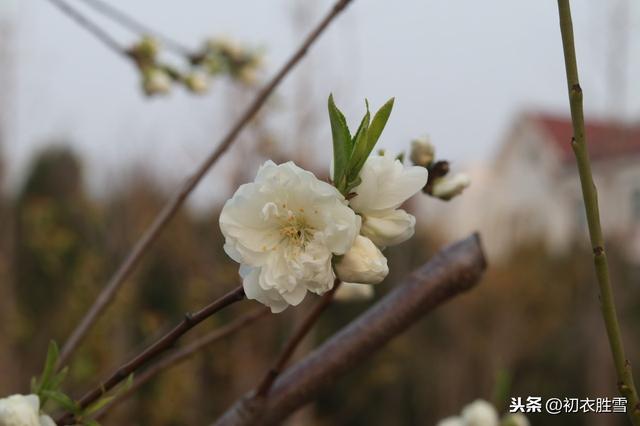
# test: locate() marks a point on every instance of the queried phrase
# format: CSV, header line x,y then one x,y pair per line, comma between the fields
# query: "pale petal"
x,y
386,184
364,263
252,290
388,228
348,292
46,421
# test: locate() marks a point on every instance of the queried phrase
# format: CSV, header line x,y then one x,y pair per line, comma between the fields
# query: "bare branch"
x,y
183,354
167,213
165,342
293,342
90,26
137,26
452,271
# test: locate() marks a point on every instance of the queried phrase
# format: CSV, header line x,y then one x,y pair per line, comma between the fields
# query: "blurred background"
x,y
87,160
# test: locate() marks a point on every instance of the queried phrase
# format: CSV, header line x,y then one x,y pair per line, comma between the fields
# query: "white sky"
x,y
460,71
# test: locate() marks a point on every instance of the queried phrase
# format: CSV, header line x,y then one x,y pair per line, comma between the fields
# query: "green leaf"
x,y
342,145
63,400
375,130
378,123
58,378
90,422
360,143
49,367
98,405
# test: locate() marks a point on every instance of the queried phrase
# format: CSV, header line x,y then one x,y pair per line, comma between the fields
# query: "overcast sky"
x,y
460,71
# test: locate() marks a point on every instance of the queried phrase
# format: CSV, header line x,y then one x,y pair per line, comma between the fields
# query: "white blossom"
x,y
197,82
451,421
22,410
353,292
364,263
386,184
517,419
283,229
422,152
156,81
480,413
449,186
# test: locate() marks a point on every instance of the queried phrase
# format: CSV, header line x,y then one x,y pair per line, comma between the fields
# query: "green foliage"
x,y
350,153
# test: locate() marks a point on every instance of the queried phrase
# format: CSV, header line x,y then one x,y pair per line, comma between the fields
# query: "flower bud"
x,y
197,82
422,152
451,421
364,263
23,410
517,419
448,187
156,81
350,292
480,413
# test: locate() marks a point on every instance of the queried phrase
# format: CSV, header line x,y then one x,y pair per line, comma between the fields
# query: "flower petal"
x,y
388,228
386,184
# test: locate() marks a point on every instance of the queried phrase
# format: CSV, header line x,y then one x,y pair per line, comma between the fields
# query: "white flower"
x,y
156,81
352,292
364,263
386,184
197,82
284,229
448,187
451,421
480,413
517,419
22,410
422,152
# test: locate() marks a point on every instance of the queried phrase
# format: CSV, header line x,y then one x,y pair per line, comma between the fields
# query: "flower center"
x,y
296,230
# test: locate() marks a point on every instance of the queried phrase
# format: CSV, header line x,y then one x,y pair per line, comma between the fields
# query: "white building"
x,y
531,191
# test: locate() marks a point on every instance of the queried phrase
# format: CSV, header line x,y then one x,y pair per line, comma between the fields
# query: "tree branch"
x,y
90,26
183,354
168,212
607,302
293,342
450,272
137,26
164,343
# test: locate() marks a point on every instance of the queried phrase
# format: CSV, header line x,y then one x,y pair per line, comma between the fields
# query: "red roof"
x,y
605,139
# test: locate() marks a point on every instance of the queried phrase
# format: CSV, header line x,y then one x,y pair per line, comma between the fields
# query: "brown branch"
x,y
183,354
90,26
452,271
167,341
166,214
127,21
293,342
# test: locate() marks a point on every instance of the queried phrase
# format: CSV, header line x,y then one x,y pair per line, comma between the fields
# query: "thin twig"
x,y
167,341
607,302
450,272
136,26
167,213
90,26
293,342
183,354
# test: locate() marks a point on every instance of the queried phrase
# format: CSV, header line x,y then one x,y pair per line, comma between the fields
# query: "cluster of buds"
x,y
481,413
218,57
441,184
222,56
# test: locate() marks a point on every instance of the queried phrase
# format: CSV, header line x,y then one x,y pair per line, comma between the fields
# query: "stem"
x,y
90,26
184,354
171,208
294,341
165,342
450,272
626,385
134,25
